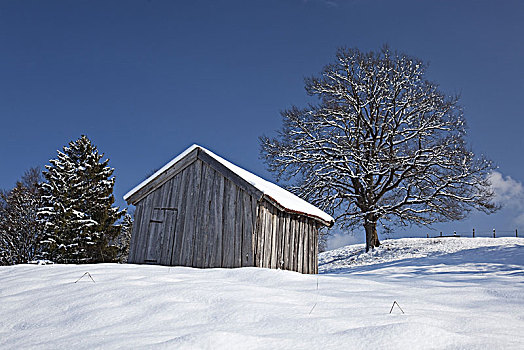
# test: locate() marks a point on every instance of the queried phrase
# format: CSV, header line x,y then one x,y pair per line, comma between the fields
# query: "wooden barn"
x,y
201,210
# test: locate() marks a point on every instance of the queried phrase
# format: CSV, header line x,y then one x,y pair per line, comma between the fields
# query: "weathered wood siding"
x,y
285,241
199,213
196,218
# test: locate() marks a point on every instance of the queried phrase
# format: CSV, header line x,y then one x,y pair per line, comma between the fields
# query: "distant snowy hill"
x,y
408,250
456,294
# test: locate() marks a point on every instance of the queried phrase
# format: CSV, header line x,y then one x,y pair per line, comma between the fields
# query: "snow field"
x,y
456,294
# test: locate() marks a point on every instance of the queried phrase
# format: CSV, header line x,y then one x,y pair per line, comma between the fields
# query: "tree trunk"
x,y
371,235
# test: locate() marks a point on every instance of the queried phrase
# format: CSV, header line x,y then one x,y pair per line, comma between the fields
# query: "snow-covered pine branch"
x,y
78,206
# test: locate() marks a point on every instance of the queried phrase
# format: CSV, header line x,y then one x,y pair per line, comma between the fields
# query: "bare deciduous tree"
x,y
382,145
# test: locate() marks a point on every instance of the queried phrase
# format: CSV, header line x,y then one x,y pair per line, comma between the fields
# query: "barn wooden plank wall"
x,y
199,213
196,218
285,241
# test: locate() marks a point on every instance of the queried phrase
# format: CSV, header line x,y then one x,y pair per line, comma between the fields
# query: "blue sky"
x,y
145,79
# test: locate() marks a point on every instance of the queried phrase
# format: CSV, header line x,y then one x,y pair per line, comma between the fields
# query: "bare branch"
x,y
383,143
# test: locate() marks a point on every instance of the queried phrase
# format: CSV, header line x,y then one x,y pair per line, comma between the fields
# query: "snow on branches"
x,y
78,206
20,229
383,144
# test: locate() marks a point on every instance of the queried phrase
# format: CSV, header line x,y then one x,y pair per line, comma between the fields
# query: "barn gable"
x,y
200,210
250,182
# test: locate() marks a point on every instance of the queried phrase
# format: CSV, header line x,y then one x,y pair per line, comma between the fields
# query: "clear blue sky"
x,y
145,79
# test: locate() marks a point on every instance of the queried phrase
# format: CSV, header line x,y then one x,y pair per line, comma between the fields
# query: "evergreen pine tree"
x,y
124,239
78,206
20,230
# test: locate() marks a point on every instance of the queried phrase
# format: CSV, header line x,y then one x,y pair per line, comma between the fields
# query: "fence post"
x,y
427,235
516,233
440,233
494,236
473,233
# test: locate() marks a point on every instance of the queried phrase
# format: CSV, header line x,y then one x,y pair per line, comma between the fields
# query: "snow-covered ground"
x,y
456,294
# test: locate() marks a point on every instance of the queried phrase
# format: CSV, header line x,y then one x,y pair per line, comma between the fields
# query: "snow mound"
x,y
457,294
396,250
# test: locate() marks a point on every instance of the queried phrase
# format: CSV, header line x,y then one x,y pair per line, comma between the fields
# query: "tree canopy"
x,y
382,145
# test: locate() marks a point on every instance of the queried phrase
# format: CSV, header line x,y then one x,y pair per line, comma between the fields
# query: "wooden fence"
x,y
480,233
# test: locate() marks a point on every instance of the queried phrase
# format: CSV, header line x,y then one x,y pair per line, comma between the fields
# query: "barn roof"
x,y
280,197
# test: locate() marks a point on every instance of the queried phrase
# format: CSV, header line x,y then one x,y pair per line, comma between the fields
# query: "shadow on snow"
x,y
508,260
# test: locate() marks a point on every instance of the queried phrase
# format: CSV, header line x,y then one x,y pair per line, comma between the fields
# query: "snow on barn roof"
x,y
281,197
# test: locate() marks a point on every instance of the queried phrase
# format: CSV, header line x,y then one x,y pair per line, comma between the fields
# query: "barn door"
x,y
161,232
